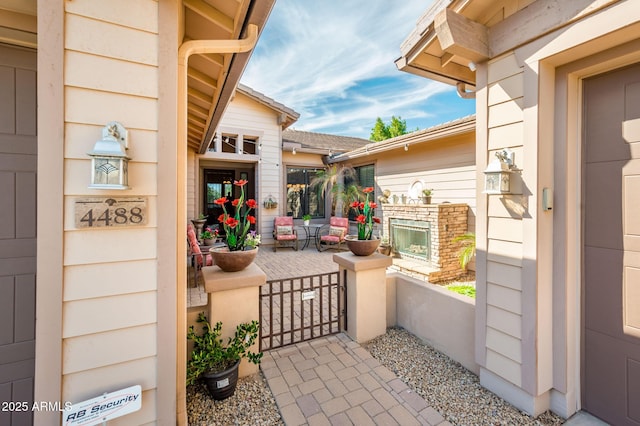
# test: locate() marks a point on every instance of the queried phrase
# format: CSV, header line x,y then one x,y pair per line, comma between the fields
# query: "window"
x,y
230,143
364,177
301,197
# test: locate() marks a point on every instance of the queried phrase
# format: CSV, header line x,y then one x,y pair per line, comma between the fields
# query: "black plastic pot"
x,y
222,384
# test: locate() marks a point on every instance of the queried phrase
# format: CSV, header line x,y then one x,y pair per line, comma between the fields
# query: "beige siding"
x,y
89,316
447,166
504,367
504,321
505,229
96,280
110,74
249,117
93,351
143,146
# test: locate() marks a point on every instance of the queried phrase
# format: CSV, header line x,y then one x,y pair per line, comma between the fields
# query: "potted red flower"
x,y
239,237
365,243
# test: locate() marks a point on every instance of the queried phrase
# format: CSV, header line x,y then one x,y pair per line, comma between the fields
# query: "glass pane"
x,y
301,198
214,191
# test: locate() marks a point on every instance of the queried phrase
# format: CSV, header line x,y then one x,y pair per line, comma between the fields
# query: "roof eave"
x,y
258,14
457,127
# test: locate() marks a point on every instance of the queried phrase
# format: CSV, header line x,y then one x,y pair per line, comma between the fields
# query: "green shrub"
x,y
210,354
464,289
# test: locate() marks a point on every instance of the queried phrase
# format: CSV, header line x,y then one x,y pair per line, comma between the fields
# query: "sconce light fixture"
x,y
109,161
406,147
497,175
293,151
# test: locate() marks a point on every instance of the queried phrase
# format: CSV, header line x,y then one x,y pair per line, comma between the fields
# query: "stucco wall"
x,y
443,319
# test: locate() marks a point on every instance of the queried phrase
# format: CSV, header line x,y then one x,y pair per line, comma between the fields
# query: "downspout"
x,y
462,92
188,48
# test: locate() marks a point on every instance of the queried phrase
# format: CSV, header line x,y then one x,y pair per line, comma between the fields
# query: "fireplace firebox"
x,y
411,238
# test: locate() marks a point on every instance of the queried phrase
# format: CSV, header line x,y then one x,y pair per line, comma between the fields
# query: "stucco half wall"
x,y
441,318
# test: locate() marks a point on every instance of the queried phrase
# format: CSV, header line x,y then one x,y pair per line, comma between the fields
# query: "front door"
x,y
18,149
611,323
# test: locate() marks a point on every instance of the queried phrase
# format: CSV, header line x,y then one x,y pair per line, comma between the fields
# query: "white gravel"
x,y
251,404
446,385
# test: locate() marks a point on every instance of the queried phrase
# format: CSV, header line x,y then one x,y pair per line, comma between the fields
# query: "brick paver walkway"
x,y
334,381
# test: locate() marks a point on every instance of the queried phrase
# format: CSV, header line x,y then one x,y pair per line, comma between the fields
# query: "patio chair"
x,y
333,234
284,233
196,259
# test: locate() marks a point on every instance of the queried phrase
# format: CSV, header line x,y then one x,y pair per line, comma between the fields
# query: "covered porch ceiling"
x,y
211,78
453,36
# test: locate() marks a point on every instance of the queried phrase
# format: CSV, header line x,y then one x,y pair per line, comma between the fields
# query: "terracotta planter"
x,y
384,249
222,384
208,241
362,247
232,261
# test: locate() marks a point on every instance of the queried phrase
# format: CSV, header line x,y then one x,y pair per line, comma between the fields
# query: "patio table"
x,y
308,234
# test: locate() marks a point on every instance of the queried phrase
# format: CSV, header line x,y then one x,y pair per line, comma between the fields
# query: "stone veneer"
x,y
447,221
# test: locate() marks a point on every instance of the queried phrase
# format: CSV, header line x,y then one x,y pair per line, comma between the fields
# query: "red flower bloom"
x,y
252,204
221,201
231,222
235,202
241,182
364,212
221,218
251,219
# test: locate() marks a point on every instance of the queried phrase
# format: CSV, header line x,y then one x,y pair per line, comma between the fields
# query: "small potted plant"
x,y
306,218
216,363
426,196
209,236
199,224
384,247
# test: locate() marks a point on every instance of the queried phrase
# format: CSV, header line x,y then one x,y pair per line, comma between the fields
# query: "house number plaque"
x,y
100,212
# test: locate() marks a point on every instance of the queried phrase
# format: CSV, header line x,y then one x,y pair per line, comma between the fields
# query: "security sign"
x,y
105,407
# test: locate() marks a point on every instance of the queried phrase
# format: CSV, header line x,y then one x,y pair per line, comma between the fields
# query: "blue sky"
x,y
333,62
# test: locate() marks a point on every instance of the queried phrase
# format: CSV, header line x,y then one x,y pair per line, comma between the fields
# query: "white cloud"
x,y
333,62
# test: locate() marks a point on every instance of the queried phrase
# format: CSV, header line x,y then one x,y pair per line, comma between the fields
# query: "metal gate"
x,y
293,310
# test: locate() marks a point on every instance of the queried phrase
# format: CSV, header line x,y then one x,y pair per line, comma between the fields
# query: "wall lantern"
x,y
497,175
109,161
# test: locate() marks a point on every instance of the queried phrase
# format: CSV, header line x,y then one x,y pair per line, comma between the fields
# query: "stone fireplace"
x,y
425,232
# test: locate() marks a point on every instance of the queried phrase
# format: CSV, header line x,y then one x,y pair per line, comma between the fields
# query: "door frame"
x,y
568,314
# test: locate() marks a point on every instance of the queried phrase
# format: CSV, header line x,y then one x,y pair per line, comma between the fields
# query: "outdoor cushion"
x,y
286,237
336,231
330,238
284,230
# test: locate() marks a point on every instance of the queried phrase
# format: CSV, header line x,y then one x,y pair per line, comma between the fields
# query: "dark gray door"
x,y
611,352
18,149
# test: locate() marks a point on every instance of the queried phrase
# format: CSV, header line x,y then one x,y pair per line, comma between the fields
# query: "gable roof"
x,y
287,115
320,142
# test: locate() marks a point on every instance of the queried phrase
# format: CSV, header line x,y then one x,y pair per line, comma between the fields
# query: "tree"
x,y
396,127
380,131
333,179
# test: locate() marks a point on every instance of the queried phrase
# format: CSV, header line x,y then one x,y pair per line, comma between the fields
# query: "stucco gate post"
x,y
234,298
366,294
